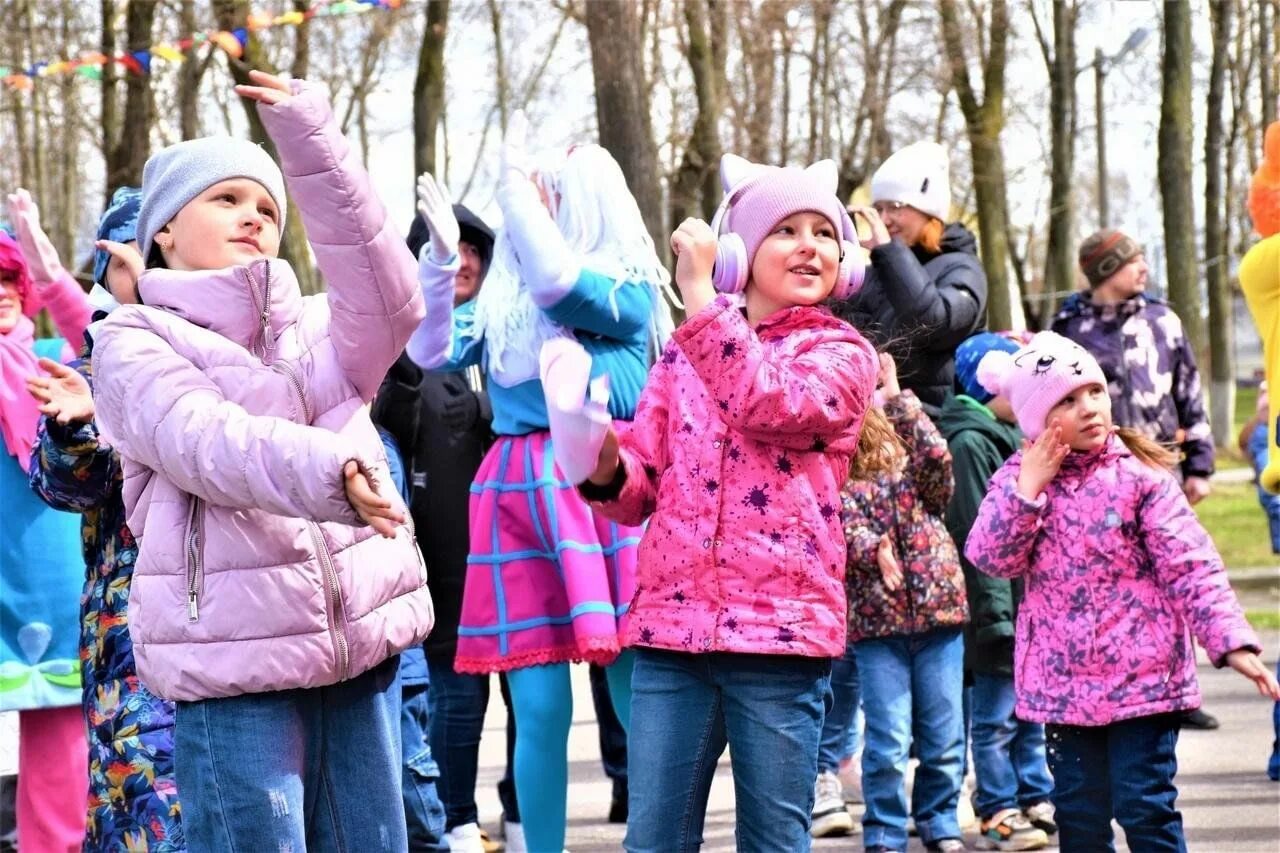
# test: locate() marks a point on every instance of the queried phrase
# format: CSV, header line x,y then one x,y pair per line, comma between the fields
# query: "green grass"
x,y
1263,620
1246,404
1237,524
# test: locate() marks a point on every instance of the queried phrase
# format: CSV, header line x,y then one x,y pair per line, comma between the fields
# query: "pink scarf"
x,y
19,413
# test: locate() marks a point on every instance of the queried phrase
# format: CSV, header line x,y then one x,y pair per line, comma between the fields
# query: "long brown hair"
x,y
878,446
1147,450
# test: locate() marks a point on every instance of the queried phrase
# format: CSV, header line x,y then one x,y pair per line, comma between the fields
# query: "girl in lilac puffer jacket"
x,y
277,576
1119,574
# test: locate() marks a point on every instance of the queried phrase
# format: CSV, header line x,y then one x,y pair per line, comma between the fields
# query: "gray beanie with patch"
x,y
175,175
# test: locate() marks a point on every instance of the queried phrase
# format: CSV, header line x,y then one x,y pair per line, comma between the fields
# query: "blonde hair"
x,y
879,448
1147,450
930,237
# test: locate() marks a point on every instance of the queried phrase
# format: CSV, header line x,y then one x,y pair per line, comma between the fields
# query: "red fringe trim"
x,y
598,650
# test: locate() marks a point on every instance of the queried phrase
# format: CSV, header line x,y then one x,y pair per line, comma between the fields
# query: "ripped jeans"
x,y
294,770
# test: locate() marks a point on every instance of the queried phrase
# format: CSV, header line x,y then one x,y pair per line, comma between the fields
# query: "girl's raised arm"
x,y
1007,526
374,299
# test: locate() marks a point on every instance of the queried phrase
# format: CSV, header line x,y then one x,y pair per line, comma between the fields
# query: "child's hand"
x,y
41,257
272,89
64,394
374,510
889,386
1040,461
1196,489
128,255
436,208
1250,666
609,461
694,245
890,569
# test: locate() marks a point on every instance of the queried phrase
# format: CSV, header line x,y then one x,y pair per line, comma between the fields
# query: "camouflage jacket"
x,y
1151,371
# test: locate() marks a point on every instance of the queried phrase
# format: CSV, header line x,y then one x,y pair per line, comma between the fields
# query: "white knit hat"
x,y
918,175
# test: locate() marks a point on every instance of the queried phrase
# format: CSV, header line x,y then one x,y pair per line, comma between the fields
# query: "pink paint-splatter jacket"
x,y
740,443
1119,573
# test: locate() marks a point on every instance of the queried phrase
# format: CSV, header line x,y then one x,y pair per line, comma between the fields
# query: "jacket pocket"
x,y
195,557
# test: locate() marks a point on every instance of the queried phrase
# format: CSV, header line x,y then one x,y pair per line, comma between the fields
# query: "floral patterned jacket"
x,y
908,504
133,802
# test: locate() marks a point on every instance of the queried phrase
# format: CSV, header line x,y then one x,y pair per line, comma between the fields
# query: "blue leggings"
x,y
542,700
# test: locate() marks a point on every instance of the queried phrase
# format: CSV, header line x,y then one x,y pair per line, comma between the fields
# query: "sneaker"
x,y
1198,719
490,846
947,845
513,834
1041,815
465,837
850,774
1009,829
830,817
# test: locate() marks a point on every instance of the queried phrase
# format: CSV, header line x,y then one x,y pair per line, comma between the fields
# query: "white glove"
x,y
516,163
436,209
41,257
577,407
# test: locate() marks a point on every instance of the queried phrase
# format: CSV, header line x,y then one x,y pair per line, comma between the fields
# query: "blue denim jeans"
x,y
1273,766
685,708
911,692
1124,771
306,769
457,706
1258,445
840,739
1008,753
613,738
423,811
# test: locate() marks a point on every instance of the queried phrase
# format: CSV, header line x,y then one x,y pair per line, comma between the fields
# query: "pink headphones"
x,y
732,267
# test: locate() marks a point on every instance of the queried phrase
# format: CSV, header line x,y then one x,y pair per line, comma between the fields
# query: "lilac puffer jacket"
x,y
1119,574
234,402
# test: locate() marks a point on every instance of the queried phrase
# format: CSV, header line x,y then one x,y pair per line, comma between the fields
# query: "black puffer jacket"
x,y
920,306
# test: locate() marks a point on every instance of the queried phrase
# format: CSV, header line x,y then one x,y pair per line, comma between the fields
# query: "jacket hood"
x,y
229,301
955,238
960,413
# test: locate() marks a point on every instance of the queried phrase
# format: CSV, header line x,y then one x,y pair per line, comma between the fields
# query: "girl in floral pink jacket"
x,y
741,440
1119,574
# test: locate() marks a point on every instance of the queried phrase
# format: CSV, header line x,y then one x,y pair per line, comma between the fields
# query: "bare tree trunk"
x,y
500,60
231,15
622,104
1222,386
983,123
1173,161
702,154
1266,54
64,225
873,103
37,132
1060,262
301,43
428,87
133,146
110,107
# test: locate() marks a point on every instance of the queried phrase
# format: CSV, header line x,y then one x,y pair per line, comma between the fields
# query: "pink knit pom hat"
x,y
1038,376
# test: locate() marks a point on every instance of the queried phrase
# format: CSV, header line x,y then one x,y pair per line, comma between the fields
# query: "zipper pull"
x,y
193,609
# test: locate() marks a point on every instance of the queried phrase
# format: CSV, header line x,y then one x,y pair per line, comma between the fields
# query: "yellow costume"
x,y
1260,281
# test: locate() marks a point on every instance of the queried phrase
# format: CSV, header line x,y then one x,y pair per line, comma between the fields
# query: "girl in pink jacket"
x,y
1119,574
741,440
277,576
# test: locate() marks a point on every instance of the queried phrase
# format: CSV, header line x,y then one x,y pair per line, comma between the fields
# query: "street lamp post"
x,y
1101,65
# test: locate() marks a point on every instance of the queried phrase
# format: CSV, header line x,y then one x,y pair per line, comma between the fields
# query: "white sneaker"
x,y
465,837
513,835
830,817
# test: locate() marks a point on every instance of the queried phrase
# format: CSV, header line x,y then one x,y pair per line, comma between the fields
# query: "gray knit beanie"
x,y
175,175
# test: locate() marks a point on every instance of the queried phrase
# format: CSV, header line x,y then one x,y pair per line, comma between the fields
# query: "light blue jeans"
x,y
911,691
685,708
306,769
1008,753
840,735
